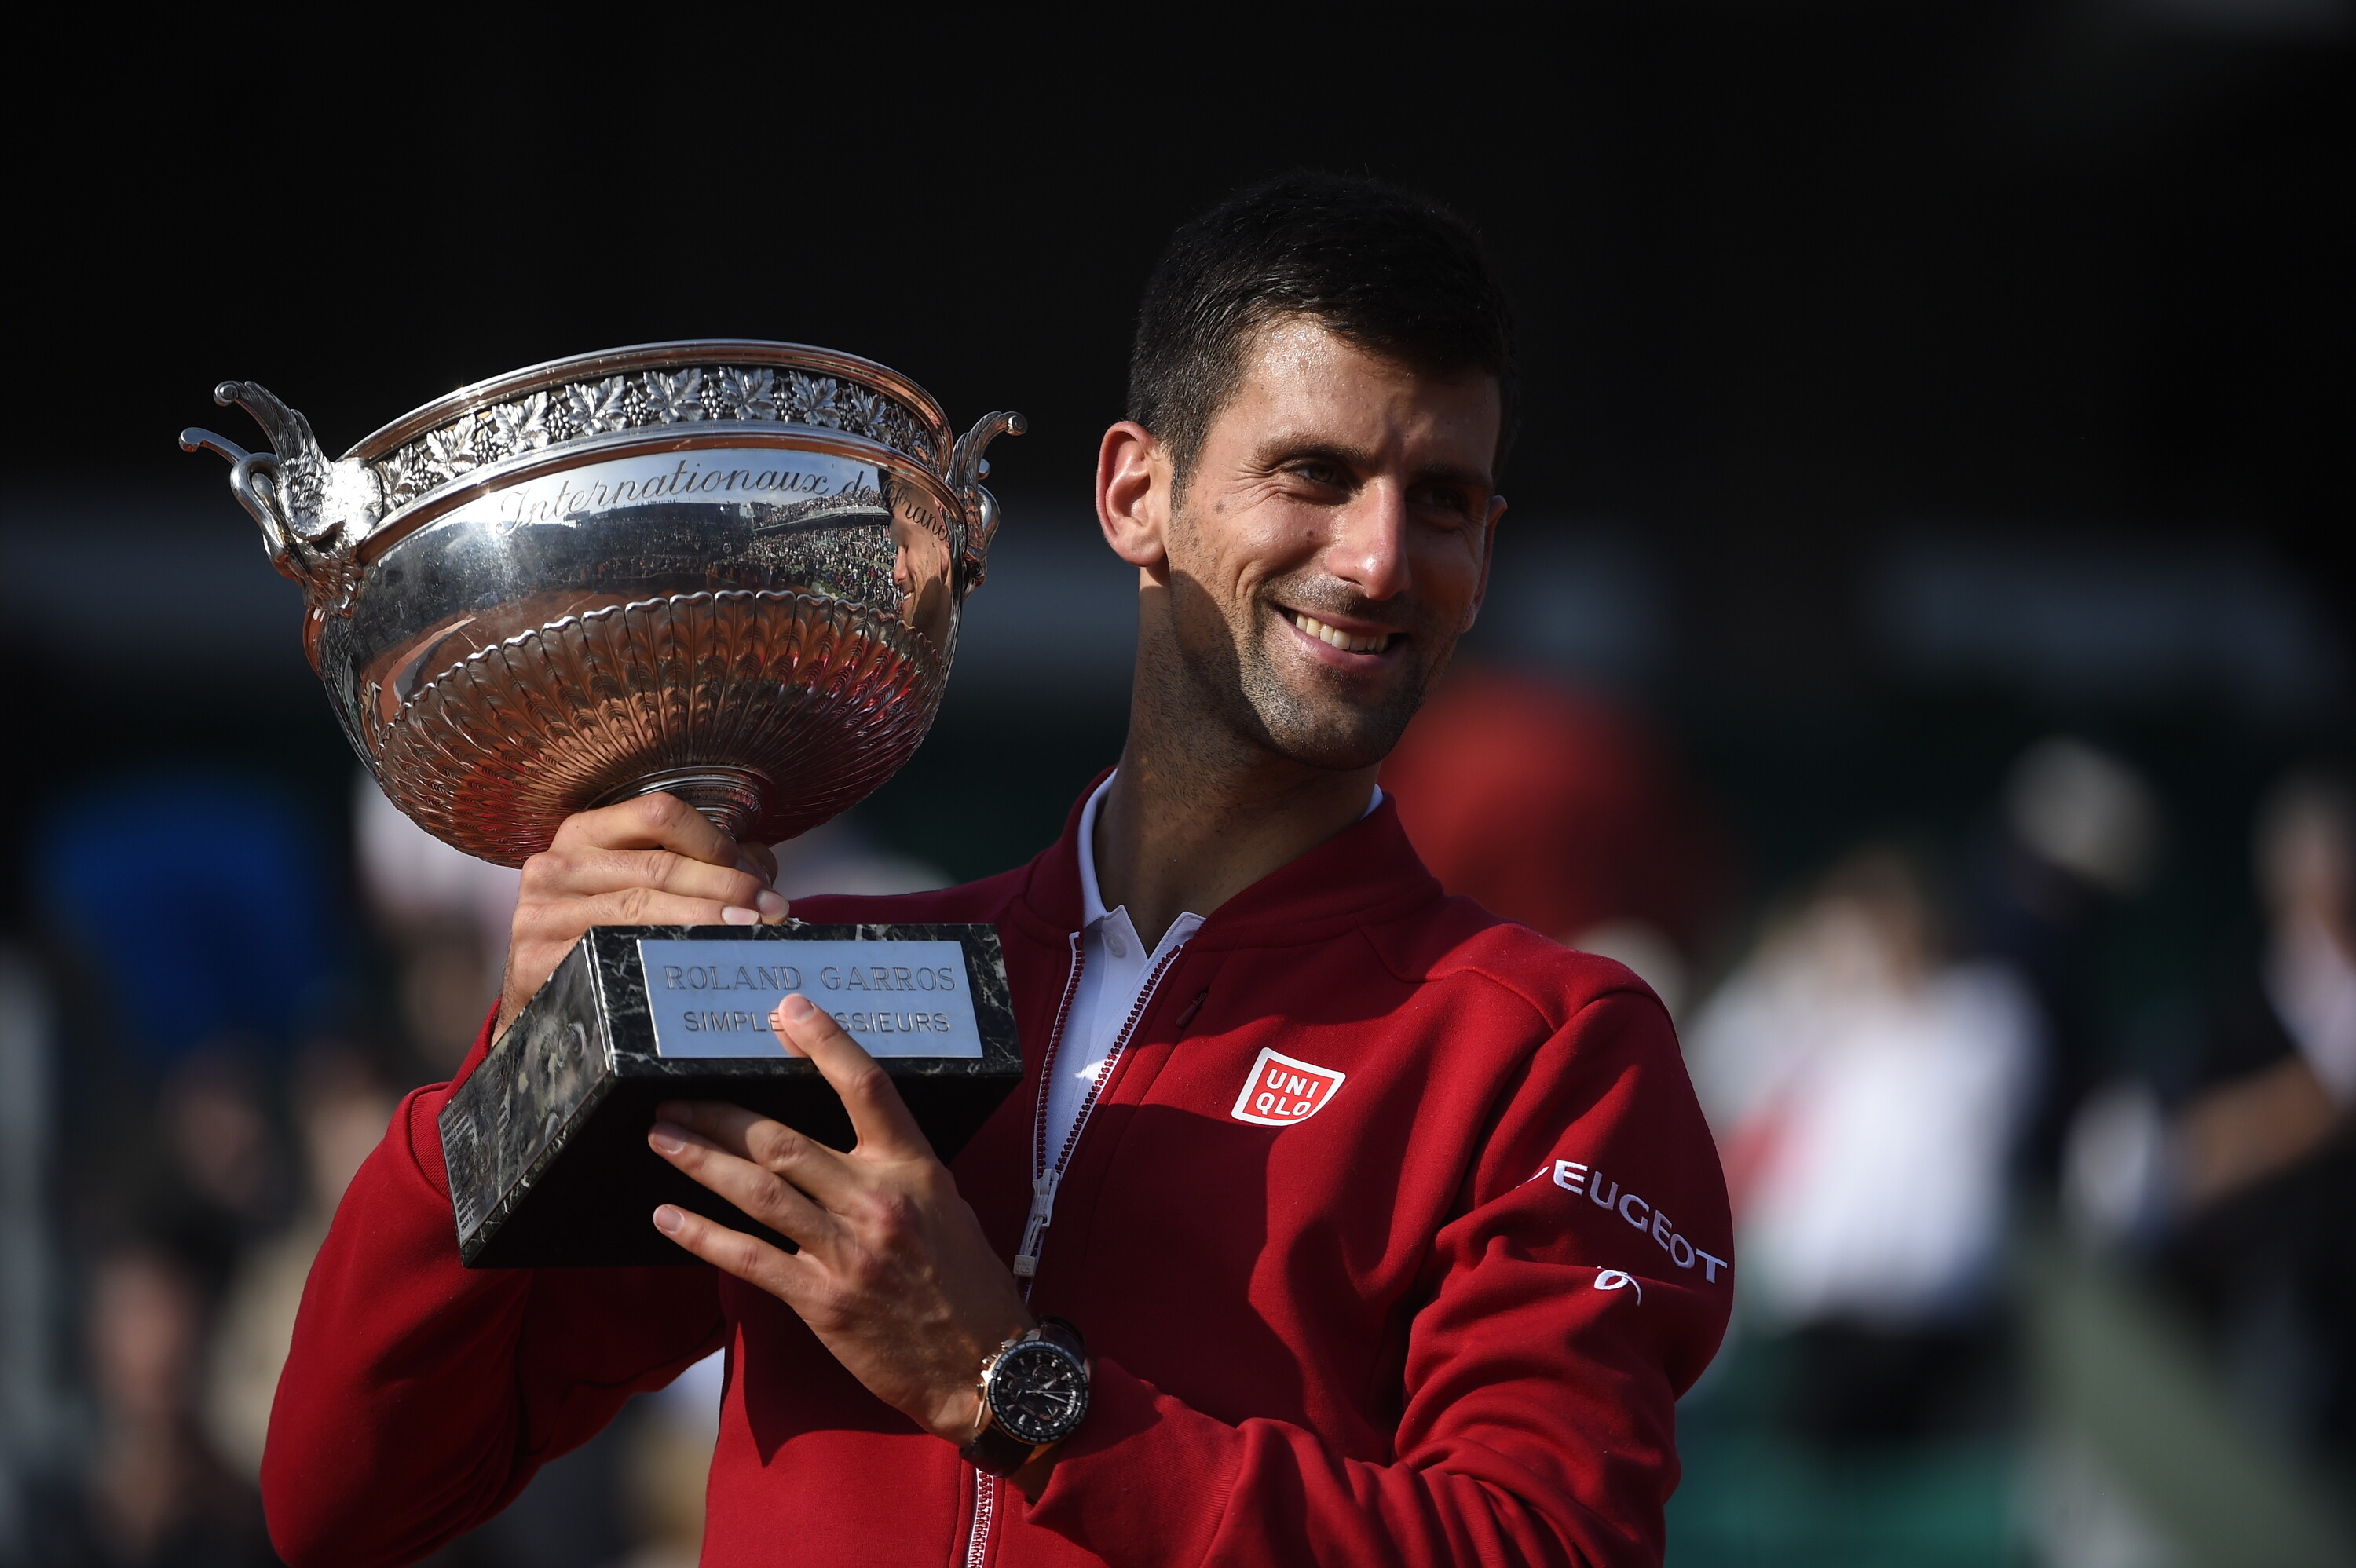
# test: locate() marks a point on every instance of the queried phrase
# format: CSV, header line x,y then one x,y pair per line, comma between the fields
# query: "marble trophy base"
x,y
547,1141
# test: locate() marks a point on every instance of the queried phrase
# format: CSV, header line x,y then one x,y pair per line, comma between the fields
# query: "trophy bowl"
x,y
729,569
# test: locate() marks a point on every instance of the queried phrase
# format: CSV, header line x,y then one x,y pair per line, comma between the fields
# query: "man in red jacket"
x,y
1392,1229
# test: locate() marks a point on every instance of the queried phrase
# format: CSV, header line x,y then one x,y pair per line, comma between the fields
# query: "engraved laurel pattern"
x,y
826,700
755,394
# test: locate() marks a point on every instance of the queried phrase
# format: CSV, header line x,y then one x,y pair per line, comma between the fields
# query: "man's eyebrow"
x,y
1455,474
1281,450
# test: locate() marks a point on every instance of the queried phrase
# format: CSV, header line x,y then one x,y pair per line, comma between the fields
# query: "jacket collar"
x,y
1366,872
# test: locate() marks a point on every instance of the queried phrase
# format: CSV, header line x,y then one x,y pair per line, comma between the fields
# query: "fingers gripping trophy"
x,y
730,571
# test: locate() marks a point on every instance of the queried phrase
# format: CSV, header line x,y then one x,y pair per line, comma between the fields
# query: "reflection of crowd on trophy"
x,y
197,1091
852,560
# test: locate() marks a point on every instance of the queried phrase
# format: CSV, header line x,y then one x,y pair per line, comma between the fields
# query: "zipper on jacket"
x,y
1046,1176
1043,1183
985,1507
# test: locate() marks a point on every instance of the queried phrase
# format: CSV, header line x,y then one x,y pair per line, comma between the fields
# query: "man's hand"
x,y
894,1276
655,861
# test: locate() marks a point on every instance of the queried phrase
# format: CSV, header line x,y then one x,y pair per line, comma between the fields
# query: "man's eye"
x,y
1446,498
1317,473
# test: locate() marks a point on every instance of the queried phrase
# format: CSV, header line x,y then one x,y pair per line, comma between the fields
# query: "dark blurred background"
x,y
1921,620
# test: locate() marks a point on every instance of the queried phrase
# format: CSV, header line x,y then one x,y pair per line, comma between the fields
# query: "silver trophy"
x,y
729,570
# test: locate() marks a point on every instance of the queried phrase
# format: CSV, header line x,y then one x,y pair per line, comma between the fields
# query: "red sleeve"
x,y
1541,1376
419,1396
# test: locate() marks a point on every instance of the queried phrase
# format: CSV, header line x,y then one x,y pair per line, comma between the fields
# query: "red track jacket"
x,y
1435,1305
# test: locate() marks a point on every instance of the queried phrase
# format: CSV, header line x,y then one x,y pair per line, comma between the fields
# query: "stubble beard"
x,y
1224,663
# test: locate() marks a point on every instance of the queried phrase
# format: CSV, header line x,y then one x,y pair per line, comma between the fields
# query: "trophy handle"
x,y
967,471
254,479
289,432
313,513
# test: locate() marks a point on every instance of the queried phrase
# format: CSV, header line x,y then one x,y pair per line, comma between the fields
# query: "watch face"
x,y
1038,1393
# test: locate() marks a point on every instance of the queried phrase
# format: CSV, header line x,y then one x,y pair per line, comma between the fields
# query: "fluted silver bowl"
x,y
732,570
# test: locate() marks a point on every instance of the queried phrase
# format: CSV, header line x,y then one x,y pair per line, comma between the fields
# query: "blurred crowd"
x,y
184,1097
1927,1119
1940,1141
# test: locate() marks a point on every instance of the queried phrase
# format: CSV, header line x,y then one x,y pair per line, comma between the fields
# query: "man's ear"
x,y
1134,481
1488,555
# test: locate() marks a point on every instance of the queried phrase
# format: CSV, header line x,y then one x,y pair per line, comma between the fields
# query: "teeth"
x,y
1346,641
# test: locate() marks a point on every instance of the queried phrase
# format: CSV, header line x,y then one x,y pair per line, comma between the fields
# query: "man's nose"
x,y
1369,545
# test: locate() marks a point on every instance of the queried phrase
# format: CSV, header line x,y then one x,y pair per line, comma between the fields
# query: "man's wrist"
x,y
964,1408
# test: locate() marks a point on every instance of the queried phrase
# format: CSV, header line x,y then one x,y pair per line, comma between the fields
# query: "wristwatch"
x,y
1034,1391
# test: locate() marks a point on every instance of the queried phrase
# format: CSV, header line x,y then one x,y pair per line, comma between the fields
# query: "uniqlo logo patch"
x,y
1283,1091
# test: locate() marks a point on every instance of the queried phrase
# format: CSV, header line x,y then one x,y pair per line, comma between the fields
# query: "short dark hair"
x,y
1391,271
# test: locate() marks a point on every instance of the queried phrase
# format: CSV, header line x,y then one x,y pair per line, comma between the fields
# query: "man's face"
x,y
1331,543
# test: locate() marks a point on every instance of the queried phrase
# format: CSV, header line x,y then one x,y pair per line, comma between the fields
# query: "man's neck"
x,y
1180,831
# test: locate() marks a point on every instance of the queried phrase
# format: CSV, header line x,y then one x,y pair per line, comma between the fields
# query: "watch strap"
x,y
994,1451
1064,1332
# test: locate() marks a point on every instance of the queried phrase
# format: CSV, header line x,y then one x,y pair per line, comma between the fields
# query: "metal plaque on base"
x,y
546,1142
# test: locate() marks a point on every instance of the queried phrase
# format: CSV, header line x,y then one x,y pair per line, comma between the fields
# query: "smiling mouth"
x,y
1348,642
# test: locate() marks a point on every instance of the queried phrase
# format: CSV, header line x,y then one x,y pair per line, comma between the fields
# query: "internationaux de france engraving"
x,y
712,998
801,485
